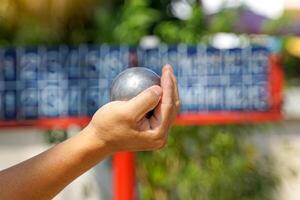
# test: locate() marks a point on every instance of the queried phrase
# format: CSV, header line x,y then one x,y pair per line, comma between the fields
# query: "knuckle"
x,y
151,98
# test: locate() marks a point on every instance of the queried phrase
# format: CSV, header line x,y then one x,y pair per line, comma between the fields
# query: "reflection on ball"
x,y
131,82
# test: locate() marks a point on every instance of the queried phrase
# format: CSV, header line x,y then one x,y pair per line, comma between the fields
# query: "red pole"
x,y
123,176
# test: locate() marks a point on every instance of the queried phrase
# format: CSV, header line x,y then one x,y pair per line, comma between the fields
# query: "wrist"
x,y
92,141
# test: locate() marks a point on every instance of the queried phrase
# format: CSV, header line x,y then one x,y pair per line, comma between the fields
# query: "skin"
x,y
117,126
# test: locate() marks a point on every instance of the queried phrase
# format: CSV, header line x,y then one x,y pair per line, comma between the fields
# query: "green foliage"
x,y
55,136
37,34
136,17
188,31
291,69
282,24
224,21
206,163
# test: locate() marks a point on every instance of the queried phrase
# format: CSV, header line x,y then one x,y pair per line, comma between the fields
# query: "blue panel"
x,y
73,61
92,62
28,62
9,104
27,99
9,64
1,105
53,64
75,81
52,98
215,80
75,100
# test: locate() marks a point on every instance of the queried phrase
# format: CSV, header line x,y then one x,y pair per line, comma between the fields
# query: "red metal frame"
x,y
123,163
48,123
62,122
124,176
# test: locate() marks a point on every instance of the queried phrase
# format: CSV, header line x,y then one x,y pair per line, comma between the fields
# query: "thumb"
x,y
145,101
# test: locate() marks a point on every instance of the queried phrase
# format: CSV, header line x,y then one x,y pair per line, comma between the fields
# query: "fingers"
x,y
144,102
167,85
177,99
161,111
166,111
171,100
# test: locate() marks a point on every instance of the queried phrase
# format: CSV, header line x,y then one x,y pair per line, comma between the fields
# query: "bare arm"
x,y
44,175
117,126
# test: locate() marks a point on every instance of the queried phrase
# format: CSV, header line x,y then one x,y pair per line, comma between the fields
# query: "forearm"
x,y
46,174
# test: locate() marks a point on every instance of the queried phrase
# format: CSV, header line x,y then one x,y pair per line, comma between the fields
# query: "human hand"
x,y
122,125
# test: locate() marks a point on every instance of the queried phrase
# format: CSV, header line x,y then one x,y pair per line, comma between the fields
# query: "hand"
x,y
117,126
122,125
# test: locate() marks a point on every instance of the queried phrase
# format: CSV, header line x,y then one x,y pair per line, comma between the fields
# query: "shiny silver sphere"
x,y
132,81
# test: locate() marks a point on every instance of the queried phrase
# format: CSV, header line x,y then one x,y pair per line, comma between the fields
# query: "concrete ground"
x,y
283,144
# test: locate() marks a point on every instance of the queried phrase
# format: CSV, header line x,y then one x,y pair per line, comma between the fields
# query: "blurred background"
x,y
200,162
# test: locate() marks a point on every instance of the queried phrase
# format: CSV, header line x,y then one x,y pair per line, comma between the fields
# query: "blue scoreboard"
x,y
74,81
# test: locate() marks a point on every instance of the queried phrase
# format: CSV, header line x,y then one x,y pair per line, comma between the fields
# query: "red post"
x,y
123,176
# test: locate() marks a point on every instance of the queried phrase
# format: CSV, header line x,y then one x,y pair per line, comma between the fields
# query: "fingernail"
x,y
168,67
169,73
157,90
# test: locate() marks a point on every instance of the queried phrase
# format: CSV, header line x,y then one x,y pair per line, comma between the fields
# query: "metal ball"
x,y
132,81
